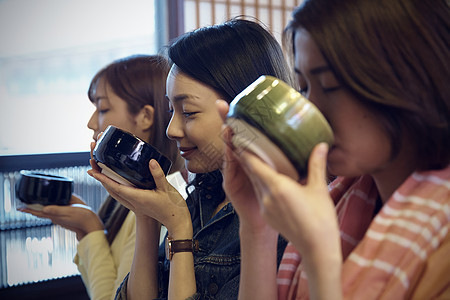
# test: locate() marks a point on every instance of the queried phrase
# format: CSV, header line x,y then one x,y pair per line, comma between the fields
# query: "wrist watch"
x,y
173,246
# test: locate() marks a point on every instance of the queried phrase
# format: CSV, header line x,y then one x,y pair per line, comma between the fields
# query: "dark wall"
x,y
70,288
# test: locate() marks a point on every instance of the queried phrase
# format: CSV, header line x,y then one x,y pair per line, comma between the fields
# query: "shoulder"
x,y
433,185
433,283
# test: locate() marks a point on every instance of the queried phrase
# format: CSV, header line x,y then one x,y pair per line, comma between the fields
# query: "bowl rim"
x,y
40,175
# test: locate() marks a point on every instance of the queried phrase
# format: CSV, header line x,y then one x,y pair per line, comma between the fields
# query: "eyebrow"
x,y
315,71
182,97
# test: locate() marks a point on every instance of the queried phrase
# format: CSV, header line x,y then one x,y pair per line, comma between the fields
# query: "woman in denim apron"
x,y
208,64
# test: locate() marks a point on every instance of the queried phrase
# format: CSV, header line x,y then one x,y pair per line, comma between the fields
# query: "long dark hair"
x,y
139,80
394,57
228,57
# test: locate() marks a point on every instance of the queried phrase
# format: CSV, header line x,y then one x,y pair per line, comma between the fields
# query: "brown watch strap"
x,y
181,246
175,246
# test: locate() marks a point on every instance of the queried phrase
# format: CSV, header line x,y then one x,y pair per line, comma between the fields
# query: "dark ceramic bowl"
x,y
278,124
37,190
124,157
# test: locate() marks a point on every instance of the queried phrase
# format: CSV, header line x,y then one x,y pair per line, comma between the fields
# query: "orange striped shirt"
x,y
383,256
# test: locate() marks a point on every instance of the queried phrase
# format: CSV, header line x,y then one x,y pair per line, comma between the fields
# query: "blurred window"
x,y
50,51
274,14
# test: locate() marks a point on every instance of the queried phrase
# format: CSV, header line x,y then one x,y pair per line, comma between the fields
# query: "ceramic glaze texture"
x,y
44,189
272,108
128,157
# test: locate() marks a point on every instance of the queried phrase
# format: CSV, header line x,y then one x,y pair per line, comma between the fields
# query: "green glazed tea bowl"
x,y
277,123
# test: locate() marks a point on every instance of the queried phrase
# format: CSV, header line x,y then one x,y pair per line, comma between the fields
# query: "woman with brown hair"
x,y
378,71
129,93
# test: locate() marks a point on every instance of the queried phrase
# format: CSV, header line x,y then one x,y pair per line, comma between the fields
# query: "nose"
x,y
174,130
93,121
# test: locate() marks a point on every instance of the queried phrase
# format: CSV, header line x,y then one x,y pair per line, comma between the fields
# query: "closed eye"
x,y
331,89
189,114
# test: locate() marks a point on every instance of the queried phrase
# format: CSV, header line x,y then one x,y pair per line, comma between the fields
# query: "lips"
x,y
185,152
97,135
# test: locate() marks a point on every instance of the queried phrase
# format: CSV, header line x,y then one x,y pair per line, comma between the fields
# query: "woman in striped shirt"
x,y
378,71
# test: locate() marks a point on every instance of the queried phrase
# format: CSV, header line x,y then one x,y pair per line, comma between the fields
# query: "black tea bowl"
x,y
124,157
36,190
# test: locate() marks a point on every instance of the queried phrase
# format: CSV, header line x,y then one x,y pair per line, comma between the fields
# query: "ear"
x,y
145,117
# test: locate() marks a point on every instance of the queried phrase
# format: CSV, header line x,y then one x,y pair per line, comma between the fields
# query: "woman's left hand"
x,y
77,216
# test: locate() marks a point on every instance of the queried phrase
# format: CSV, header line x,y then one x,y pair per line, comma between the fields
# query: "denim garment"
x,y
217,263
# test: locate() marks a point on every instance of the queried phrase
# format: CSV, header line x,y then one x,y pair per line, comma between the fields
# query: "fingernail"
x,y
153,164
322,148
93,175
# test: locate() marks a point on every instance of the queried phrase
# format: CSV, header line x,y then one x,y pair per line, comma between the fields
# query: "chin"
x,y
200,167
337,165
338,169
342,170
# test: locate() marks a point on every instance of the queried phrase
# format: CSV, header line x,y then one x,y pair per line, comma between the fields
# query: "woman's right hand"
x,y
163,203
237,184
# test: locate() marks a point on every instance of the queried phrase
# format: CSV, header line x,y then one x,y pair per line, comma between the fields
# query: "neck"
x,y
389,178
